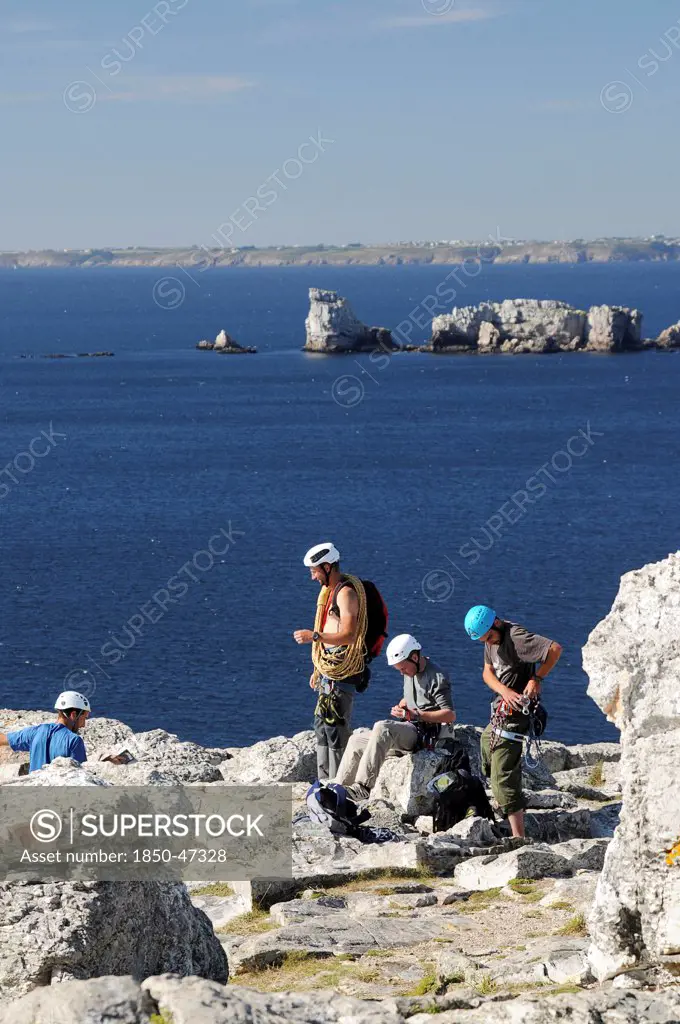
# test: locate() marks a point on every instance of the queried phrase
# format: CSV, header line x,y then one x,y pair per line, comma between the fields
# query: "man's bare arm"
x,y
4,742
348,606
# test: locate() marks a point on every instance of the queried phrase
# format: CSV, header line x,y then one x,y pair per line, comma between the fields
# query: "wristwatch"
x,y
536,679
315,637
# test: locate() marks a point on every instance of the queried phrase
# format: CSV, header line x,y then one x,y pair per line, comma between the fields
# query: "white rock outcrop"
x,y
536,326
225,343
182,1000
279,759
613,329
633,662
670,338
59,931
333,328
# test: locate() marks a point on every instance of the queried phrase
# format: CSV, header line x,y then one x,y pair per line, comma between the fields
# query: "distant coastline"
x,y
505,252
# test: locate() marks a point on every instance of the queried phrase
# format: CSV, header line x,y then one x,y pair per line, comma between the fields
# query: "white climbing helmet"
x,y
72,699
400,648
322,553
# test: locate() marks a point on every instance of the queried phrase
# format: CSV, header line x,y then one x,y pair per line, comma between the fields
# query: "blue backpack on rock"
x,y
329,805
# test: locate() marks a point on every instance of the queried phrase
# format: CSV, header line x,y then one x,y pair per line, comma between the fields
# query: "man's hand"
x,y
513,699
398,711
312,680
532,689
303,636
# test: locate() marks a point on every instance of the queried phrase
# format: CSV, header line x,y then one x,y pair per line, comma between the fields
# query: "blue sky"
x,y
151,123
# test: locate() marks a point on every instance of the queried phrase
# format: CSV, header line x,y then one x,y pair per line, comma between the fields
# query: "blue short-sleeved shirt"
x,y
45,742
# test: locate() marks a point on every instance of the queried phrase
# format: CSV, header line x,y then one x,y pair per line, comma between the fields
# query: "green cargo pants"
x,y
504,768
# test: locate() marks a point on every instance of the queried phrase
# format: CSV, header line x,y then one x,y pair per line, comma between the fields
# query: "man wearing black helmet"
x,y
515,664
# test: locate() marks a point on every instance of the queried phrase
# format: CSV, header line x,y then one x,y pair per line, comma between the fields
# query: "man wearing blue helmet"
x,y
515,664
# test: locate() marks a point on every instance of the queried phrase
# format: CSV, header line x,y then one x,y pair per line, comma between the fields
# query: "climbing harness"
x,y
428,734
538,719
348,660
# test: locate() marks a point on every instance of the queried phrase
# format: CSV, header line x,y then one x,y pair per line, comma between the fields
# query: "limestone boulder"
x,y
63,771
167,997
613,329
591,754
476,831
632,659
279,759
490,338
603,782
461,328
546,799
557,824
51,932
332,327
515,325
582,854
488,872
161,758
335,933
403,781
670,338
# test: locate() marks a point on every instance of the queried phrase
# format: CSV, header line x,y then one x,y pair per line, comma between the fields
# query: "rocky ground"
x,y
580,922
463,924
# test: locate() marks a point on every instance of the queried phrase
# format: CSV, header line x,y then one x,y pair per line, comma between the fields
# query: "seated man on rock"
x,y
422,716
54,739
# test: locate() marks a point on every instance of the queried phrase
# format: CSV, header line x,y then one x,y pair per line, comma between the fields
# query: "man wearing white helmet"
x,y
335,640
424,714
54,739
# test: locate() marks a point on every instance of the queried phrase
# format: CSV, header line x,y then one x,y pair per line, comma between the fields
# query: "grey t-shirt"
x,y
430,690
514,658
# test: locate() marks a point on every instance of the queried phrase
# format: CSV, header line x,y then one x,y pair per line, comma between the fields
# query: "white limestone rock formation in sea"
x,y
333,328
670,338
633,661
536,326
226,344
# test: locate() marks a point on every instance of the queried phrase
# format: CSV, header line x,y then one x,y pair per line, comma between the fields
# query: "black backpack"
x,y
463,792
376,625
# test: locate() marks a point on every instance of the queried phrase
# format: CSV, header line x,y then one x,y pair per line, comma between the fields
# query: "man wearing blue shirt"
x,y
54,739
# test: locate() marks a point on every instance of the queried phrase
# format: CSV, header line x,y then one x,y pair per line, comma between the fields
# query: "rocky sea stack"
x,y
226,344
333,328
577,923
537,326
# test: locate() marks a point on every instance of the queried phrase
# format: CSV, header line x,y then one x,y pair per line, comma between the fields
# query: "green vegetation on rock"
x,y
250,923
576,925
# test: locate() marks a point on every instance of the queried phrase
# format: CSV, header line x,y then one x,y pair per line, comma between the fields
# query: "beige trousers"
x,y
366,752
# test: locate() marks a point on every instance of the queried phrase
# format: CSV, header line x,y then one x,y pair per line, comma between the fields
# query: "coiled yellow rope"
x,y
350,659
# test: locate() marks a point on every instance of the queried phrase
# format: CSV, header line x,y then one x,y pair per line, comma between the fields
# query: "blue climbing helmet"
x,y
479,621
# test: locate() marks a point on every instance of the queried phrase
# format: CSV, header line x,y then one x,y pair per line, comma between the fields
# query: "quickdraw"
x,y
533,751
327,708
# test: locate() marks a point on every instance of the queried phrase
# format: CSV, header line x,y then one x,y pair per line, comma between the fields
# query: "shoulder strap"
x,y
333,603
